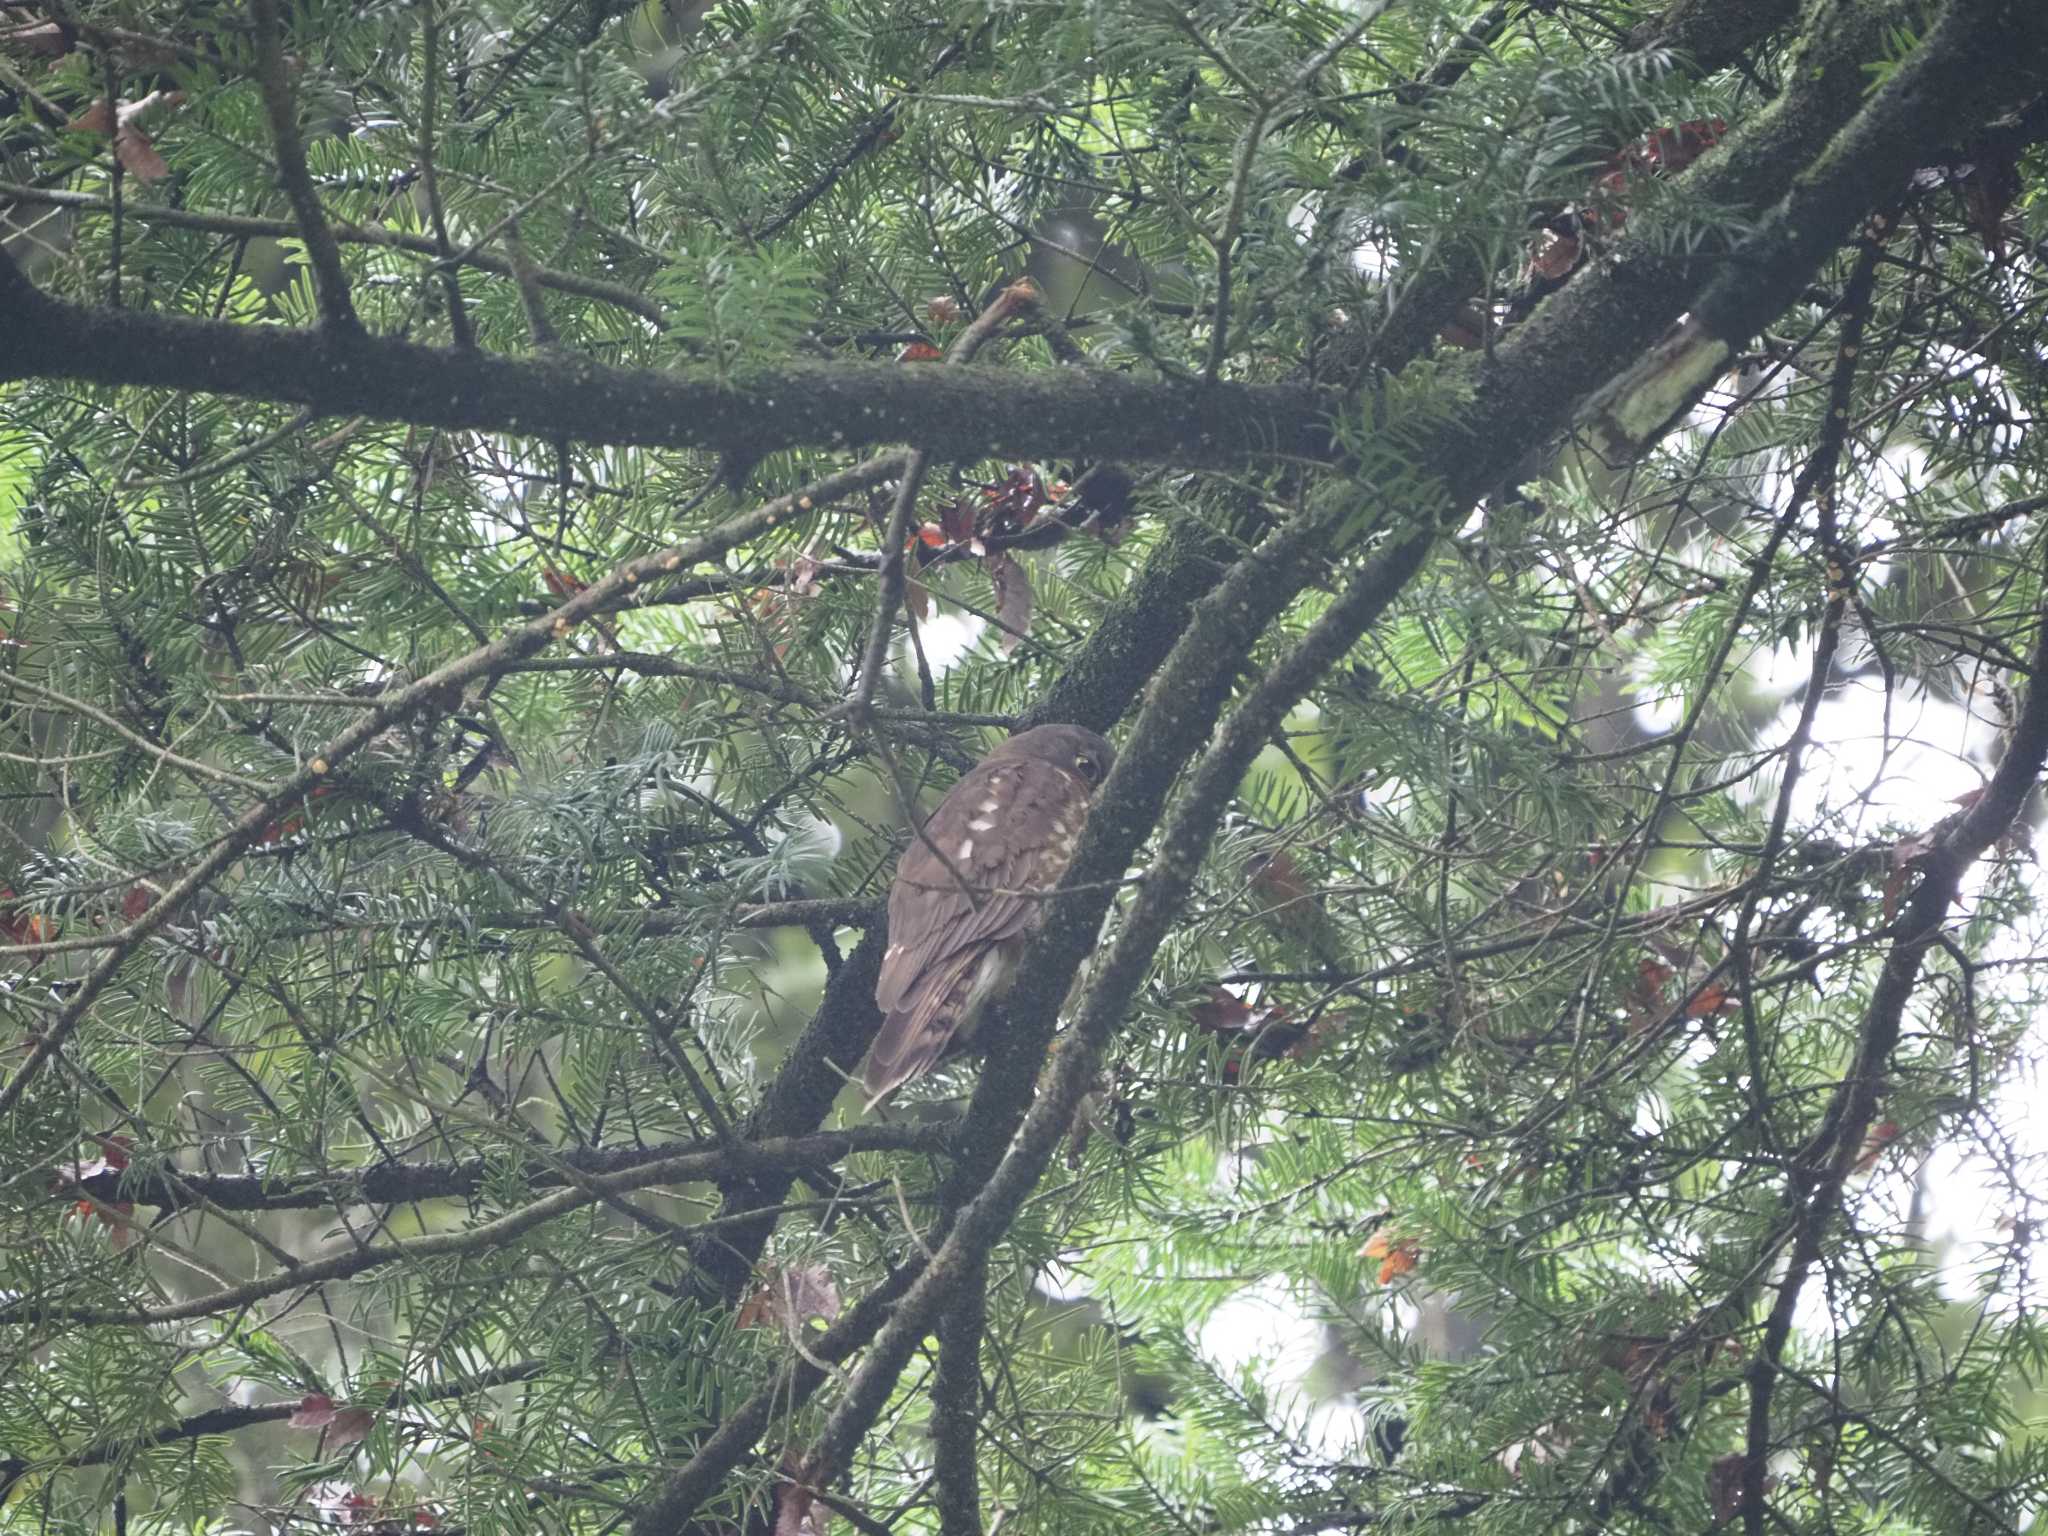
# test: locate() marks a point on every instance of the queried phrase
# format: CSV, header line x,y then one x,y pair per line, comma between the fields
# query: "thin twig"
x,y
430,178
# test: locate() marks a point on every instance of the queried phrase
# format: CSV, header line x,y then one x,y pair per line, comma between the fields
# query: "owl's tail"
x,y
915,1036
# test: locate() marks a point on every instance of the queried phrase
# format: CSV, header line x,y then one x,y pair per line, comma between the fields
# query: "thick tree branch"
x,y
953,413
956,1406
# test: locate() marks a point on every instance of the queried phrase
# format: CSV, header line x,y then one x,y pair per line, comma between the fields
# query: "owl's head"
x,y
1074,748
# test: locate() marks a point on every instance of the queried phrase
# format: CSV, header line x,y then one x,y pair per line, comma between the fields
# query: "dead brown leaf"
x,y
1014,599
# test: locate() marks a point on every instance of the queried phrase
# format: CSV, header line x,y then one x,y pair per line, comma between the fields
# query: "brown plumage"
x,y
1007,832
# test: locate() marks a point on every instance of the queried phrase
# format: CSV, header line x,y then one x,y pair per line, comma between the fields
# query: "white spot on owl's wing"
x,y
992,803
982,824
966,850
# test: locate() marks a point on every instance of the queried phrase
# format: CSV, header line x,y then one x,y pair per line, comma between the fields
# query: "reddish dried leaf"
x,y
561,583
316,1410
803,574
1014,600
291,826
348,1425
134,150
1989,190
1881,1136
1319,1034
342,1504
1894,888
1277,880
1606,208
1014,502
1709,1000
1224,1013
1667,151
956,520
1554,256
97,118
1904,854
45,40
1398,1255
1397,1264
1645,999
1671,150
920,352
19,927
131,145
791,1296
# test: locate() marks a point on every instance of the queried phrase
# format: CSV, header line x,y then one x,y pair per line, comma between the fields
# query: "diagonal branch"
x,y
330,281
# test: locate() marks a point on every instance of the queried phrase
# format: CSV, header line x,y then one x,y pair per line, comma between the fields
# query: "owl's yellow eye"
x,y
1088,768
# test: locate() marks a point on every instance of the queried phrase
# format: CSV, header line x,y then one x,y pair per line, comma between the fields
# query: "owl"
x,y
971,889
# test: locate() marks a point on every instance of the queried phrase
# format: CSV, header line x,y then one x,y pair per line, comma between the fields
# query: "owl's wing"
x,y
1007,830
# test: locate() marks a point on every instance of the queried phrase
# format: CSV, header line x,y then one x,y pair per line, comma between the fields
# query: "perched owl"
x,y
1007,830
